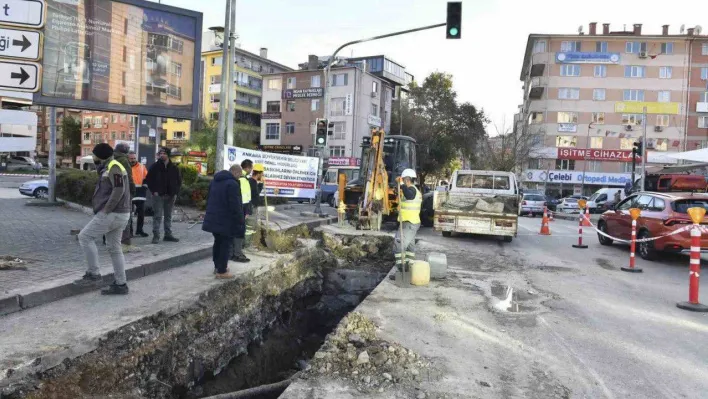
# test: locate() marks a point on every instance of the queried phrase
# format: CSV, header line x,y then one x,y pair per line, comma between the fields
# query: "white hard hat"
x,y
408,173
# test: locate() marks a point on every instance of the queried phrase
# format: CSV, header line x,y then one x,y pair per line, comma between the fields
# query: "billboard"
x,y
127,56
289,176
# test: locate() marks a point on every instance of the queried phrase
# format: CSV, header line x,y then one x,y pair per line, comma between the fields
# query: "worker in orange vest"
x,y
139,172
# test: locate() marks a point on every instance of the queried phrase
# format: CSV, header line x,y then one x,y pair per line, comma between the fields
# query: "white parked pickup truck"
x,y
478,202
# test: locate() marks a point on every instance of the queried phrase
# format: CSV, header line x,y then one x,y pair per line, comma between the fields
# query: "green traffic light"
x,y
453,31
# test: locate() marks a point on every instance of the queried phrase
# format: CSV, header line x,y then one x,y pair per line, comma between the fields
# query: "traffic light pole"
x,y
644,152
318,199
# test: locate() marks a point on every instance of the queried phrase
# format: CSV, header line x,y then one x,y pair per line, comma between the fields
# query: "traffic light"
x,y
454,19
637,150
321,133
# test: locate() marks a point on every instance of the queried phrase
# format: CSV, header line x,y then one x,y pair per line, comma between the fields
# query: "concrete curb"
x,y
64,288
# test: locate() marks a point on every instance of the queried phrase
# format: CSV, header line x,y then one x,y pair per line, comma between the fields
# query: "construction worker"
x,y
139,172
408,216
237,254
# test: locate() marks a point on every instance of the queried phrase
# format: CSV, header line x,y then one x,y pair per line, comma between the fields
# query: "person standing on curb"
x,y
139,172
237,254
120,154
224,217
409,217
111,208
256,183
164,181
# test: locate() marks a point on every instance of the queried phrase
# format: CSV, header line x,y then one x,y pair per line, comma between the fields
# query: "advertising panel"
x,y
289,176
577,57
343,161
567,127
127,56
637,107
576,177
314,92
594,154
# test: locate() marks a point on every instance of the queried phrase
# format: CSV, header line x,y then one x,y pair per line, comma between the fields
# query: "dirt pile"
x,y
353,352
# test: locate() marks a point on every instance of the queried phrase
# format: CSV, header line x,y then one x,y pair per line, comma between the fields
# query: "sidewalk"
x,y
41,237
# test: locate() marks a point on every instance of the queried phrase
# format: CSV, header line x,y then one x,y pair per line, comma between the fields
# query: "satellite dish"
x,y
698,29
580,29
683,29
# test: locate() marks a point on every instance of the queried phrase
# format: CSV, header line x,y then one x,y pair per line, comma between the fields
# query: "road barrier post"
x,y
586,219
696,215
550,215
581,204
634,212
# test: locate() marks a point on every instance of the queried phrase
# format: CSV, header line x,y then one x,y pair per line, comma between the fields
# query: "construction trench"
x,y
247,337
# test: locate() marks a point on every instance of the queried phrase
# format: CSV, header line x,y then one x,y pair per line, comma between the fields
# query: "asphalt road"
x,y
575,325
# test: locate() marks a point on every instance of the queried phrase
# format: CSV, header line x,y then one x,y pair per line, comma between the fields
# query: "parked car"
x,y
18,163
662,214
532,204
551,203
568,205
35,188
604,197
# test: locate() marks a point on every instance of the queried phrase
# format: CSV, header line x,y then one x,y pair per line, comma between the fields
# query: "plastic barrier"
x,y
696,215
634,213
581,204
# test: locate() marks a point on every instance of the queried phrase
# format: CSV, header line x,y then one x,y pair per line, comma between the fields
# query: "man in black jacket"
x,y
224,217
164,182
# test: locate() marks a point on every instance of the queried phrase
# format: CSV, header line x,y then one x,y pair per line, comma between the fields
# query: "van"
x,y
330,182
86,163
603,198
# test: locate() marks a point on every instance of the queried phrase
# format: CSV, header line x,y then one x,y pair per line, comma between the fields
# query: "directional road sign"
x,y
27,13
20,76
20,44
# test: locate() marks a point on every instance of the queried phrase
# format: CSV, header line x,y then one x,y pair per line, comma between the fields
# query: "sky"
x,y
485,62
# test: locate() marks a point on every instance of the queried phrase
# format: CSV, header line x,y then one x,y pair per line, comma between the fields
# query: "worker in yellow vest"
x,y
237,254
408,216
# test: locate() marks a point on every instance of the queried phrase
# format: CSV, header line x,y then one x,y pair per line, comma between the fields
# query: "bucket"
x,y
420,272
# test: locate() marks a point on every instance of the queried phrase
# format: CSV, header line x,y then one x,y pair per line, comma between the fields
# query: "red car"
x,y
662,213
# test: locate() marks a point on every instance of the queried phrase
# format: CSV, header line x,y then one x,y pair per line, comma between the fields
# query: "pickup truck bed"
x,y
476,214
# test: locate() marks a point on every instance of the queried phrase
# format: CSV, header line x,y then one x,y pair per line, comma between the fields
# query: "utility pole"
x,y
224,98
52,155
644,151
232,77
318,199
585,159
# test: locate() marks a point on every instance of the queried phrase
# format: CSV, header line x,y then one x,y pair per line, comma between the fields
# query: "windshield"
x,y
571,200
534,198
594,196
682,206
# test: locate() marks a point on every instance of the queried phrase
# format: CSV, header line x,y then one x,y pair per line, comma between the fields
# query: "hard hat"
x,y
258,167
408,173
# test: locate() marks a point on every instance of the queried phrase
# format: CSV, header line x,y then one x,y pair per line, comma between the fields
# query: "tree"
x,y
204,139
71,138
509,150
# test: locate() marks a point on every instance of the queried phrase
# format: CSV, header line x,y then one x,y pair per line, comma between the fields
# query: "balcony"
x,y
701,107
249,86
248,104
537,87
215,88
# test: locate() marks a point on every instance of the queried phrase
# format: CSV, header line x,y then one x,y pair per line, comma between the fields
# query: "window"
x,y
273,106
214,98
539,46
658,205
122,135
336,150
567,117
566,141
290,127
374,110
634,71
667,48
626,144
340,130
272,131
703,122
643,202
664,96
215,79
662,120
177,136
601,47
536,117
704,73
704,49
598,118
570,46
374,87
87,136
635,47
665,72
704,97
216,61
340,79
113,136
123,117
176,69
534,163
633,95
594,166
596,142
626,167
315,104
290,106
600,71
315,81
337,106
598,94
565,93
565,164
292,82
570,70
114,118
87,121
274,84
632,119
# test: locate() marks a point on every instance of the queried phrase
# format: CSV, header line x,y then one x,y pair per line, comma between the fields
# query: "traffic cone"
x,y
586,219
545,230
550,216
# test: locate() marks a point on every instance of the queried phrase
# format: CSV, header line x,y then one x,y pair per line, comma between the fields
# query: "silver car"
x,y
532,204
568,205
35,188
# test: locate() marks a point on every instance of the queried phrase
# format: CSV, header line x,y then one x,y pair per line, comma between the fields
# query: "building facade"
x,y
584,102
176,132
359,101
105,127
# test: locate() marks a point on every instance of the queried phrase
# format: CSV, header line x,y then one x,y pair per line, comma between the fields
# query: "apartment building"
x,y
584,97
359,101
176,132
105,127
249,72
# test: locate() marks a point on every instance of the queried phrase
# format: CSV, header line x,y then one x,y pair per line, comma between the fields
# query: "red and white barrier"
x,y
632,251
580,232
694,274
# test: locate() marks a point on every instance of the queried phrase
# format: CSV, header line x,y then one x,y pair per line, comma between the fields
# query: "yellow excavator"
x,y
372,198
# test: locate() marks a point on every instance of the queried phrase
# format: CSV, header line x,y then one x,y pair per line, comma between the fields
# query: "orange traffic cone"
x,y
550,216
545,230
586,219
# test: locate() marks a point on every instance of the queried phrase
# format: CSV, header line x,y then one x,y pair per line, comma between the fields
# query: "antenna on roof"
x,y
580,30
698,29
683,28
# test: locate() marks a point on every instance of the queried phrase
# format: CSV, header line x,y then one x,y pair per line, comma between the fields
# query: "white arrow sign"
x,y
20,76
22,44
29,13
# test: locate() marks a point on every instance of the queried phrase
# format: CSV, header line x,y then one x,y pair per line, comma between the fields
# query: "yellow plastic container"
x,y
420,272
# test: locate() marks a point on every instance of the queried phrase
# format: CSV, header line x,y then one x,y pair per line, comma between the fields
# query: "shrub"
x,y
189,174
76,186
195,194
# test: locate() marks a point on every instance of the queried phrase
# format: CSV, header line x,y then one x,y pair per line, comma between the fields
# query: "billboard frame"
x,y
163,112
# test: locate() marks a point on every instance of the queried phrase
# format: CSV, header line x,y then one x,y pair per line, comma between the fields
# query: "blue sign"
x,y
587,58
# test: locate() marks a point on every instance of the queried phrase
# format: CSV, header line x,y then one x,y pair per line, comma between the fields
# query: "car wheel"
x,y
300,201
646,249
508,238
447,234
41,193
602,226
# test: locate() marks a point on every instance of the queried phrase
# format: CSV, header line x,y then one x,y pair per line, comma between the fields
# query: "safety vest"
x,y
116,163
410,209
245,190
